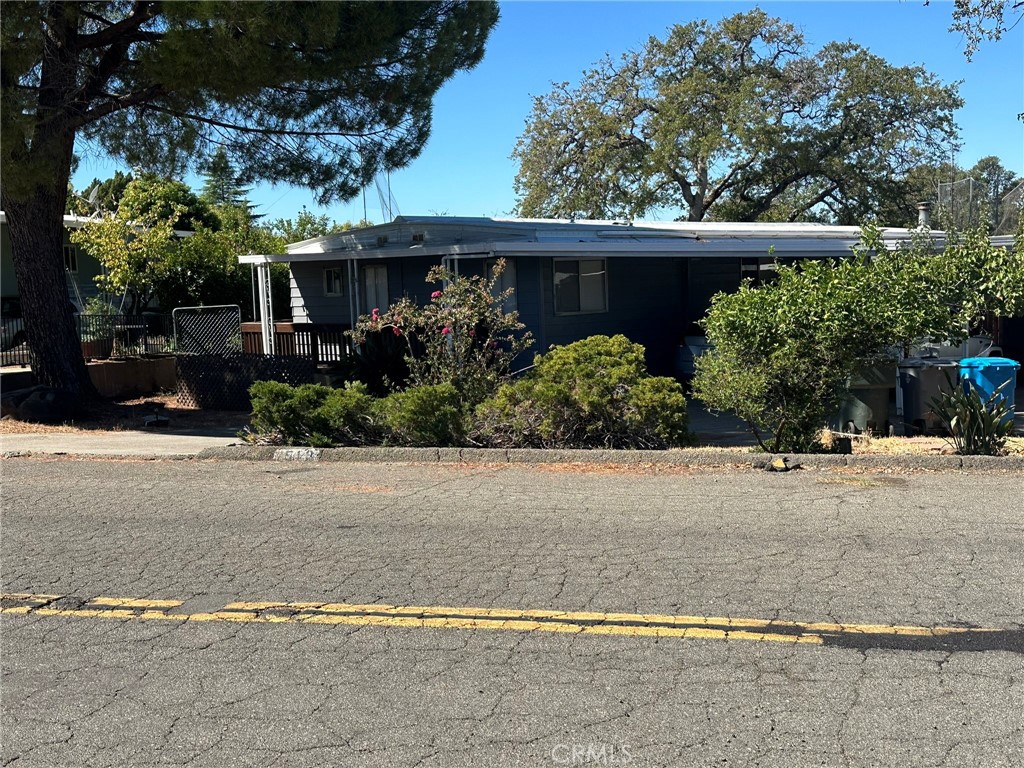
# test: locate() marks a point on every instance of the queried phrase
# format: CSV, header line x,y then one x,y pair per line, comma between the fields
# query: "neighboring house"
x,y
82,268
572,279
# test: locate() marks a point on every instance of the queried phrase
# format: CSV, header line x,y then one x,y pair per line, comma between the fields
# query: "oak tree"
x,y
733,121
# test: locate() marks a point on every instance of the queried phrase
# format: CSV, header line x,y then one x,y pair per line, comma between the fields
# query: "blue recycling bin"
x,y
987,374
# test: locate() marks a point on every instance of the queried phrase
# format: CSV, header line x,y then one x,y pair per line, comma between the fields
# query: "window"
x,y
71,258
418,237
375,287
580,286
505,281
382,240
759,271
334,281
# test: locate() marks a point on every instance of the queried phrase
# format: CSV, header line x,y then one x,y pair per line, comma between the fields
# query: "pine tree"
x,y
325,95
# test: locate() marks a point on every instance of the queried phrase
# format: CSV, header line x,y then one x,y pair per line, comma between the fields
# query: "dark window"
x,y
334,283
580,286
71,258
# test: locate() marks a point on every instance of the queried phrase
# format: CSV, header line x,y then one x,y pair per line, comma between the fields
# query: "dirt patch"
x,y
121,415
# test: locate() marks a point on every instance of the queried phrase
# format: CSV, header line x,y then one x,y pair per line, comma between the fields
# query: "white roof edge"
x,y
662,248
269,258
77,222
70,220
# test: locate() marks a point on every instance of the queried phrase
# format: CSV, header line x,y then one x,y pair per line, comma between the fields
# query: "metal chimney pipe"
x,y
924,214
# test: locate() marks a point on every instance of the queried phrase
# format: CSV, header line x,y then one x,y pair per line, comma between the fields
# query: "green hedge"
x,y
312,414
594,393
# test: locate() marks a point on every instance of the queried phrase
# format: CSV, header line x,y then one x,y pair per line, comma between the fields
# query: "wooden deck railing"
x,y
319,342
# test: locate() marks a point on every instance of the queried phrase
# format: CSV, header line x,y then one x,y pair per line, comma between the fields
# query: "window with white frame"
x,y
506,280
375,287
334,281
71,258
581,286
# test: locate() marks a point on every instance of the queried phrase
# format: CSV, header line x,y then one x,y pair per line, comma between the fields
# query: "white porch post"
x,y
266,306
351,278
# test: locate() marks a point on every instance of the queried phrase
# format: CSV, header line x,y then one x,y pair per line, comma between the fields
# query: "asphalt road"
x,y
230,614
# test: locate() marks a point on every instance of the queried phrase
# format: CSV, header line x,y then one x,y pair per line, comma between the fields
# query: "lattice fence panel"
x,y
221,382
208,330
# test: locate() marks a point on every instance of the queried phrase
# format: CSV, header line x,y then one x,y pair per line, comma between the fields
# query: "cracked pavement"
x,y
927,549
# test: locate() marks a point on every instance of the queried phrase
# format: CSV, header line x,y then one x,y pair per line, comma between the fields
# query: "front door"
x,y
375,287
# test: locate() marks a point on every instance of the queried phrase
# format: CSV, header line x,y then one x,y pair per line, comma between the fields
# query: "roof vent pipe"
x,y
924,214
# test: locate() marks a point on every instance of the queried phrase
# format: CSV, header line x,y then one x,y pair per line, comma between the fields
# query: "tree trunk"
x,y
37,243
34,201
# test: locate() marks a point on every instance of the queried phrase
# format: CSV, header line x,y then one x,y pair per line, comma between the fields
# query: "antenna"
x,y
388,204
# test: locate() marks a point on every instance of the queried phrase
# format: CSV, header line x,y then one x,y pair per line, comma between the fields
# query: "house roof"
x,y
475,237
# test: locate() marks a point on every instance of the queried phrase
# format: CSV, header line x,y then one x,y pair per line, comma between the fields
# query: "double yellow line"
x,y
442,617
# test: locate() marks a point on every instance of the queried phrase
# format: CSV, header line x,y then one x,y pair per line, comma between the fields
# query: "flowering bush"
x,y
462,337
594,393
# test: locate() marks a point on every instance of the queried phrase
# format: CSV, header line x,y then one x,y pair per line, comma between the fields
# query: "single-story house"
x,y
651,281
81,266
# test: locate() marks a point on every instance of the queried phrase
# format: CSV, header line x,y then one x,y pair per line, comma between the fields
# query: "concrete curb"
x,y
678,458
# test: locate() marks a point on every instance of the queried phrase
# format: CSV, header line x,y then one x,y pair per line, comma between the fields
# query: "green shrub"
x,y
594,393
428,415
979,426
311,414
783,353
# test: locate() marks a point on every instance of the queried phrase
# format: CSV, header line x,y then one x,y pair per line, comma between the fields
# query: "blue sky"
x,y
465,168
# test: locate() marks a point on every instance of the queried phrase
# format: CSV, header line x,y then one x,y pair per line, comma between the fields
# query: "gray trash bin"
x,y
867,404
922,379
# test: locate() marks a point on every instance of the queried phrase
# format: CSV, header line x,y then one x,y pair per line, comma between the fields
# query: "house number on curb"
x,y
297,454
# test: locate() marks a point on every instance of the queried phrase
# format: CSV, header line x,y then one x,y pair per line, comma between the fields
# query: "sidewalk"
x,y
150,444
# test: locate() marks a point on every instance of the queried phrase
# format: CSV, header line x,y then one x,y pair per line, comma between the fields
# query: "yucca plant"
x,y
977,426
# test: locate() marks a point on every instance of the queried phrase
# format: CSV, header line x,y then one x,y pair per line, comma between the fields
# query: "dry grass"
x,y
919,446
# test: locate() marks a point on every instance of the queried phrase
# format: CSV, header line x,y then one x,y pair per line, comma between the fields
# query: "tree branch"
x,y
123,102
116,103
819,198
123,30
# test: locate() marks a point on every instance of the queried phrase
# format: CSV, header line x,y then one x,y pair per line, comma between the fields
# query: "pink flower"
x,y
435,295
472,332
397,331
375,313
446,330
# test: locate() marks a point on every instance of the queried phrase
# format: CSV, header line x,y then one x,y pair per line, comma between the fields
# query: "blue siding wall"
x,y
406,277
705,278
645,303
309,304
652,301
